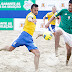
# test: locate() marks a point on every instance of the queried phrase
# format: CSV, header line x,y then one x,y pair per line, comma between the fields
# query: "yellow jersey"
x,y
49,15
29,27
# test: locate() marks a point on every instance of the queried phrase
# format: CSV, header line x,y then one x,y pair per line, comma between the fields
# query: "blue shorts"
x,y
24,39
51,28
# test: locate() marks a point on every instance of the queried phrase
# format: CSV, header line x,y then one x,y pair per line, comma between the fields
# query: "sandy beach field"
x,y
21,60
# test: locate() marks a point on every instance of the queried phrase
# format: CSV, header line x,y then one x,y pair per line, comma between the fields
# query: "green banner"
x,y
6,24
16,4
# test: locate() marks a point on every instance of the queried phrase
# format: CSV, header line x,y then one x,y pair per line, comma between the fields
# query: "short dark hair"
x,y
34,5
70,1
53,7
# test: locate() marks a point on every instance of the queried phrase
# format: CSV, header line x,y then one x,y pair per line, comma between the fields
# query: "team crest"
x,y
65,13
68,17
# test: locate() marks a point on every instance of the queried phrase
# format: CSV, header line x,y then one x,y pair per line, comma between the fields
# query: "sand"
x,y
21,60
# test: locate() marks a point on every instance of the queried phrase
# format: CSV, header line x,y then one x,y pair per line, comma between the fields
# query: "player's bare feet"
x,y
66,62
56,53
37,70
39,35
59,46
4,48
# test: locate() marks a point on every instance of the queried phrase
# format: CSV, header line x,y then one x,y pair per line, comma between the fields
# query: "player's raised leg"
x,y
57,39
7,48
68,53
36,58
39,35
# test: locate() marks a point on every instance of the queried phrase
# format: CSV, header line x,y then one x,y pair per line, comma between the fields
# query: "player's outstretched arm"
x,y
52,18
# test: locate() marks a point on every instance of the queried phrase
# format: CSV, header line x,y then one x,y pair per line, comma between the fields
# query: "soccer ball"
x,y
47,35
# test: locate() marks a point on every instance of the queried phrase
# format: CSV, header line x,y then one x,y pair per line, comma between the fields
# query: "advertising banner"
x,y
46,5
16,4
6,24
19,24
